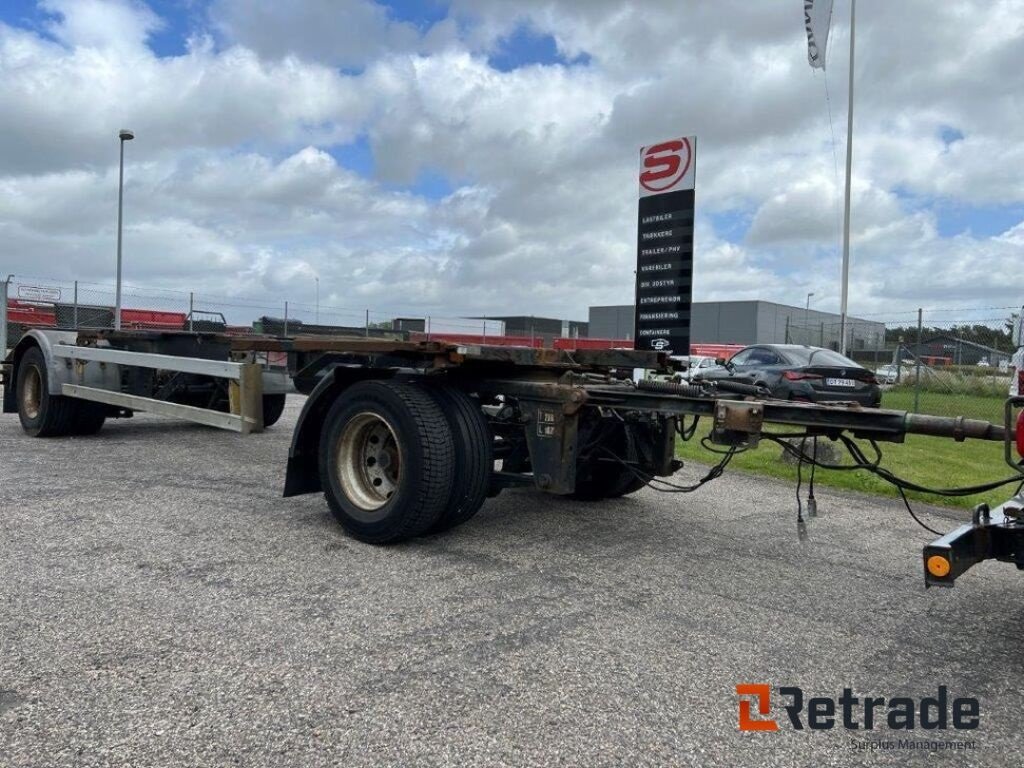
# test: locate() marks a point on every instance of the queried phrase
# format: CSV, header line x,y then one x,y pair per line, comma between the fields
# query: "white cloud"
x,y
61,107
347,33
102,24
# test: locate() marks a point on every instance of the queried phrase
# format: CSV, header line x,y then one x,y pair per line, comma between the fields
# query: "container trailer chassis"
x,y
409,438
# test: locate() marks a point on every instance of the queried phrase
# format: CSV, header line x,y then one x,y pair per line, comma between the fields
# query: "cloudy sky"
x,y
479,156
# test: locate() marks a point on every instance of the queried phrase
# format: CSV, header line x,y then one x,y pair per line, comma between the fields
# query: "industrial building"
x,y
546,328
750,322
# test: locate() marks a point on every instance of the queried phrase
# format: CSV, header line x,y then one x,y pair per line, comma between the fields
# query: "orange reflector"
x,y
938,566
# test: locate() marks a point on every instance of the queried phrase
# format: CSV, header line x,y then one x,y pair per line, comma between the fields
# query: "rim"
x,y
369,462
32,392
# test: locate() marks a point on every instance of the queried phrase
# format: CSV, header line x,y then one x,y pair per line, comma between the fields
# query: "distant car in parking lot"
x,y
798,372
887,374
691,366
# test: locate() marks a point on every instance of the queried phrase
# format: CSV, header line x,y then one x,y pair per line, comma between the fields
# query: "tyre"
x,y
88,419
598,479
41,414
387,461
474,455
610,483
273,407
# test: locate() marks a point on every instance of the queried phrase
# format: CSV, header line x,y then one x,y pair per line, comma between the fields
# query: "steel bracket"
x,y
737,422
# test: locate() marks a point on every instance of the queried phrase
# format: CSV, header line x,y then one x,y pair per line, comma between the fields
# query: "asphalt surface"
x,y
161,605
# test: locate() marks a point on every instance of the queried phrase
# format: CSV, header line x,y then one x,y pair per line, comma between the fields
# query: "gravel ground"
x,y
161,605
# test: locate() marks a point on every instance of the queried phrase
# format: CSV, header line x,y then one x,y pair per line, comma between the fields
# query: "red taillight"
x,y
798,376
1020,434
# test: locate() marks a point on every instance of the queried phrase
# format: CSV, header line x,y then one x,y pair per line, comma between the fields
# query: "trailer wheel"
x,y
41,414
602,477
387,461
273,407
610,483
474,456
88,419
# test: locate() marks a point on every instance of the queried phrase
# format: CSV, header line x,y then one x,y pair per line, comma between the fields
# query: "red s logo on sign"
x,y
665,164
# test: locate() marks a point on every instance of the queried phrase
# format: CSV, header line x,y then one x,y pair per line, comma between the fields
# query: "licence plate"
x,y
840,383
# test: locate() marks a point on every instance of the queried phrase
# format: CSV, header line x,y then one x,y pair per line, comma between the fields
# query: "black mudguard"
x,y
303,473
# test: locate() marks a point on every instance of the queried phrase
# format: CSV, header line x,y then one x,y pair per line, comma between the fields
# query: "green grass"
x,y
930,461
939,404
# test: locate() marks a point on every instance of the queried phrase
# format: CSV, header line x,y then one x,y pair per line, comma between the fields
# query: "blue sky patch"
x,y
949,134
358,157
525,47
980,221
170,40
423,14
731,225
432,185
25,14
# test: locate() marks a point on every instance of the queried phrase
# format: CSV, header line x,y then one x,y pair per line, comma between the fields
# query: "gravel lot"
x,y
161,605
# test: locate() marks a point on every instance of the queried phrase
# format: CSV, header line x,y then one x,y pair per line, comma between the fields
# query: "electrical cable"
x,y
812,503
687,434
902,485
906,503
860,462
799,480
650,480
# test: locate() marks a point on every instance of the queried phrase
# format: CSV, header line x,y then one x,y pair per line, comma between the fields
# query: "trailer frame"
x,y
562,421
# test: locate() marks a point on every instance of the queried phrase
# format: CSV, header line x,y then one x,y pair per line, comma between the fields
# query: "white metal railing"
x,y
245,388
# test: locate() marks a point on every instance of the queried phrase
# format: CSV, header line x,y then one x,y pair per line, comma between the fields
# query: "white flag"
x,y
817,18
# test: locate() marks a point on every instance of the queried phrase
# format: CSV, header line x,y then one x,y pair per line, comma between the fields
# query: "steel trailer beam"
x,y
229,421
221,369
878,423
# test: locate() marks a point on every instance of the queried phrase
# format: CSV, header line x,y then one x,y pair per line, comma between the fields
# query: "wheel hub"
x,y
32,394
369,461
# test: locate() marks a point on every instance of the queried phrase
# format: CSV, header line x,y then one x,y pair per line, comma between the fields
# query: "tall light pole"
x,y
807,310
124,135
317,278
843,301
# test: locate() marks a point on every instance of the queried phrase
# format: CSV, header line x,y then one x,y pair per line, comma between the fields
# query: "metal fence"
x,y
950,362
33,301
944,361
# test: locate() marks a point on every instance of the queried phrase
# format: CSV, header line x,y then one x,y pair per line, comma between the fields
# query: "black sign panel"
x,y
664,270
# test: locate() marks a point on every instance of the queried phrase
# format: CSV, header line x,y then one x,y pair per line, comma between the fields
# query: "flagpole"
x,y
846,204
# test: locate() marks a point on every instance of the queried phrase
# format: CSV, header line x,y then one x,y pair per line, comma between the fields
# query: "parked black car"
x,y
797,372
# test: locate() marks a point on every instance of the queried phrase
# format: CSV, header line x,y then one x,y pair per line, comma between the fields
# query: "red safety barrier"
x,y
587,343
704,350
150,318
24,313
478,339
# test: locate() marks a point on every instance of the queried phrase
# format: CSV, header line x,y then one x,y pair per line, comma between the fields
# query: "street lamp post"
x,y
124,135
317,300
807,311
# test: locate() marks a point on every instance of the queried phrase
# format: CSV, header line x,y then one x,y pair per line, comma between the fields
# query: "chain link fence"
x,y
40,302
942,361
949,362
